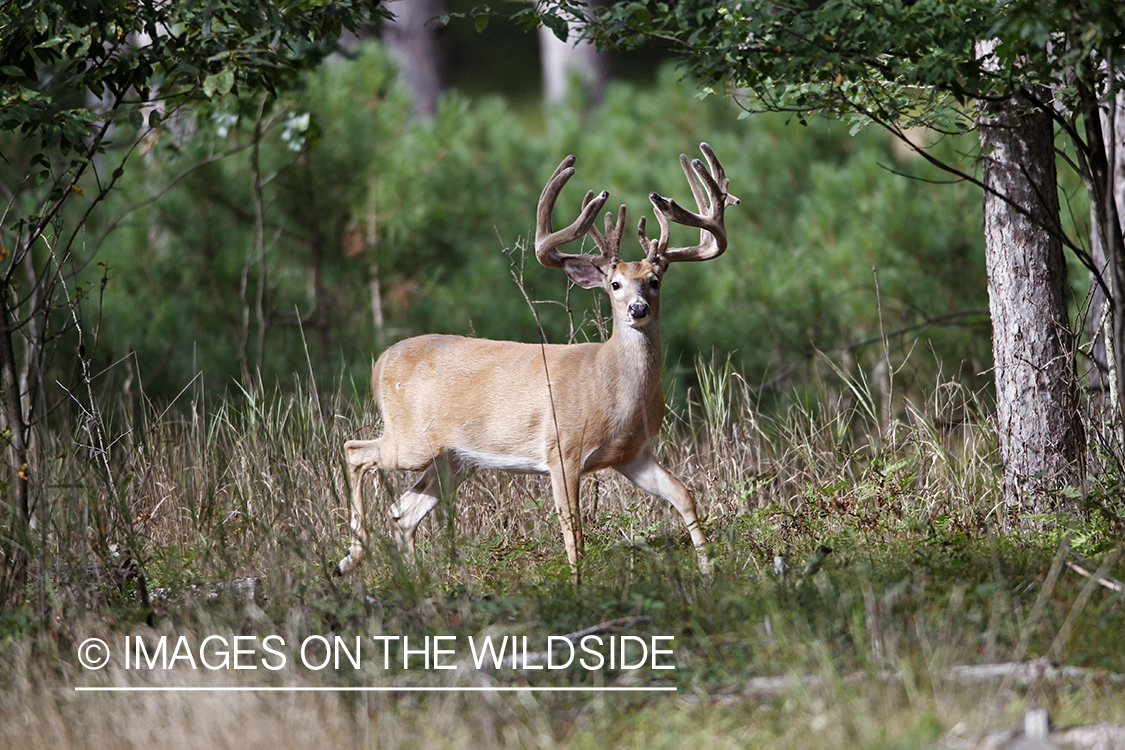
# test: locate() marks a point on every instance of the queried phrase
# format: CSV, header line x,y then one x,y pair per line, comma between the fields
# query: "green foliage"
x,y
352,184
80,78
900,65
437,212
130,57
75,75
78,81
895,63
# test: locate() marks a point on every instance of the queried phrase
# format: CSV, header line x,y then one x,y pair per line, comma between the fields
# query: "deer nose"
x,y
638,310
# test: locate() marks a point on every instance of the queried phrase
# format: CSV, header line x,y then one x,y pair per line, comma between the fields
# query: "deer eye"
x,y
615,285
654,284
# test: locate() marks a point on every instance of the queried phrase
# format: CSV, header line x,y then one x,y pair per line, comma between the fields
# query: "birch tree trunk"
x,y
1039,426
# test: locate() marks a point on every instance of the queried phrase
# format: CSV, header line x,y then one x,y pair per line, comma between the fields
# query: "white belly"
x,y
521,464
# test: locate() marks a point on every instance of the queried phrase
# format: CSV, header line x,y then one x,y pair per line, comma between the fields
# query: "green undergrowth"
x,y
863,647
859,564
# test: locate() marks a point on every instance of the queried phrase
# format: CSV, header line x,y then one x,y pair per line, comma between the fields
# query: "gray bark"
x,y
1098,369
413,41
1039,427
573,59
13,568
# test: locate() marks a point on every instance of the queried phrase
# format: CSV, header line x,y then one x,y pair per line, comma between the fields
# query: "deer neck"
x,y
632,360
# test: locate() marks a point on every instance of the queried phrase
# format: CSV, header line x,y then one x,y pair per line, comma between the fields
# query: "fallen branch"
x,y
1025,673
1020,673
1109,583
1036,732
538,657
246,590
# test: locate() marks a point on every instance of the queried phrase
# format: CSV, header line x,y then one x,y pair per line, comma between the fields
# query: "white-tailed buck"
x,y
452,404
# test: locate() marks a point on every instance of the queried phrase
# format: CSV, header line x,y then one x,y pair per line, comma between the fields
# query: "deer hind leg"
x,y
362,456
442,475
650,476
564,487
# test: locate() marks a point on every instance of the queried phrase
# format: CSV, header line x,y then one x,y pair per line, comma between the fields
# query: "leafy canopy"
x,y
68,71
895,62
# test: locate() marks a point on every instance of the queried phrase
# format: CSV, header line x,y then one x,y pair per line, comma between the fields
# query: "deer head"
x,y
634,286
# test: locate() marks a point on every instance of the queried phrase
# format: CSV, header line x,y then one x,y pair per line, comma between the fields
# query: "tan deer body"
x,y
452,404
418,428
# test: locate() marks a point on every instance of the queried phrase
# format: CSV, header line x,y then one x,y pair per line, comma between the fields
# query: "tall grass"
x,y
924,574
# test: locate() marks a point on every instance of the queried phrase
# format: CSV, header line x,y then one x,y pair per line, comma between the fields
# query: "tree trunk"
x,y
575,58
413,41
1112,123
13,553
1039,426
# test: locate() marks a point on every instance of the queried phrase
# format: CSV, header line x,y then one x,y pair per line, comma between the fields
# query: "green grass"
x,y
926,573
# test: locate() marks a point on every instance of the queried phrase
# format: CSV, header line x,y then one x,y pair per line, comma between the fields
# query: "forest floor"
x,y
868,593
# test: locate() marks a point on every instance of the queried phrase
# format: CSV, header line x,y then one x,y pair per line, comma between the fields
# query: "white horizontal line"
x,y
282,689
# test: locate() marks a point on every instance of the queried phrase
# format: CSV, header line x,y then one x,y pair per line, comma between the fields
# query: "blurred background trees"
x,y
419,221
255,237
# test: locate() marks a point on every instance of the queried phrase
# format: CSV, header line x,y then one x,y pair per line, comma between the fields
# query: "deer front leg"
x,y
361,455
564,487
650,476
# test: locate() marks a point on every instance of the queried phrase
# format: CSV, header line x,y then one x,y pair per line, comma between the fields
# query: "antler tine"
x,y
693,181
547,240
711,197
720,175
654,249
610,242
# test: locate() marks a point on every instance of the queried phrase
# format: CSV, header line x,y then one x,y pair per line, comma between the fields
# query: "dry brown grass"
x,y
926,574
257,484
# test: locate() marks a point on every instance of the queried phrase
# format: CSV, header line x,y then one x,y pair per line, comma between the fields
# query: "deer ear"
x,y
583,273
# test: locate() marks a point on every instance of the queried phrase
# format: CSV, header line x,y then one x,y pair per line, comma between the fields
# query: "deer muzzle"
x,y
638,310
